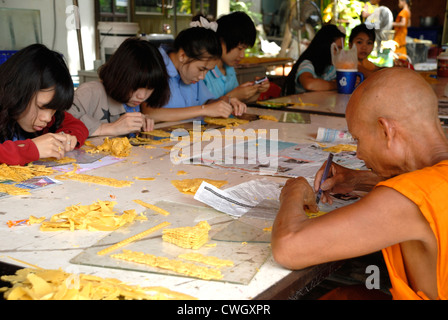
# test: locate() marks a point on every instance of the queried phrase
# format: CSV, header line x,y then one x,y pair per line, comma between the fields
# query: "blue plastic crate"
x,y
6,54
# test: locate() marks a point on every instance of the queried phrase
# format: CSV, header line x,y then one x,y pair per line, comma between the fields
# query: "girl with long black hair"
x,y
314,70
36,89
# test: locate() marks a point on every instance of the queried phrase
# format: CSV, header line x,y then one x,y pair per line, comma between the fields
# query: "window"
x,y
113,10
166,7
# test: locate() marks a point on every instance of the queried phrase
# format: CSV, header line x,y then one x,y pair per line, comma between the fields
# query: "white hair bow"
x,y
204,23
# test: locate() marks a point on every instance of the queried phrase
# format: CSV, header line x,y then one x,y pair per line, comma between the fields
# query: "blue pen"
x,y
324,176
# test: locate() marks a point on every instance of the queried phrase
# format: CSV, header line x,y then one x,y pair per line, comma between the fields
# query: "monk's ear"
x,y
387,129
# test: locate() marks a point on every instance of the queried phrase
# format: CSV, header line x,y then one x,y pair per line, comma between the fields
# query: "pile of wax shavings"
x,y
13,190
19,174
22,173
98,216
118,147
44,284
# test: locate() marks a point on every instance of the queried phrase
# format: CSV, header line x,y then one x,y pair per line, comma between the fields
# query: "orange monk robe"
x,y
402,32
427,188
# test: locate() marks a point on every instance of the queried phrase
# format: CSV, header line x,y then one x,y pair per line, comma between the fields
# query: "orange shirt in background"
x,y
402,32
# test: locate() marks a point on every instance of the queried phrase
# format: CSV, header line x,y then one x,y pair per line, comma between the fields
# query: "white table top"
x,y
53,250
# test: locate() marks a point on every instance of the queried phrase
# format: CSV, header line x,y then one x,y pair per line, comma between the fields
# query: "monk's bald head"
x,y
395,93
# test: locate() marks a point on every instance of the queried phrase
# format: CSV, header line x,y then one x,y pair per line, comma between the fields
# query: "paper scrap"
x,y
238,200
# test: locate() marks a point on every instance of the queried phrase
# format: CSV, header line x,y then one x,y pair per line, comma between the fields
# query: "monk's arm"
x,y
382,218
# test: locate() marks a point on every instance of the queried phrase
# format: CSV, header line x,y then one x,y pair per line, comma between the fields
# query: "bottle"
x,y
442,64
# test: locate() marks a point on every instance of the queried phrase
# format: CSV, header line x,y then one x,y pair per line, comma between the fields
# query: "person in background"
x,y
112,106
401,24
369,7
236,32
393,116
36,89
314,70
364,39
196,51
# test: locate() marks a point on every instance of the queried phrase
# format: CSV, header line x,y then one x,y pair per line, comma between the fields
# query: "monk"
x,y
393,116
401,24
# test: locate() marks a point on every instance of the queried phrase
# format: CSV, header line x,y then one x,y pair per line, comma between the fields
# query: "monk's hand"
x,y
299,191
339,180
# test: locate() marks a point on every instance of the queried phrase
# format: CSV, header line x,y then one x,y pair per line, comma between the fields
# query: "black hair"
x,y
136,64
318,52
198,43
236,28
22,76
362,28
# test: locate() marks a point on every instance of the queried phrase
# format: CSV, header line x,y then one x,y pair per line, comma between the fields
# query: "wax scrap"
x,y
72,175
268,117
99,216
188,237
47,284
190,186
180,267
225,122
22,173
119,147
152,207
158,133
341,147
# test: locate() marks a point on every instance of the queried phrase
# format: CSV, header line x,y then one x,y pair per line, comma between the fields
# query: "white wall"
x,y
222,7
63,38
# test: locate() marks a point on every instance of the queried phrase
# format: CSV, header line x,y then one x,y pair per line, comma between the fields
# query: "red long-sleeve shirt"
x,y
21,152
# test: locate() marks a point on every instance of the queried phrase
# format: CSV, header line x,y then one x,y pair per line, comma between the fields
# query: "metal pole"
x,y
78,33
335,12
175,17
299,32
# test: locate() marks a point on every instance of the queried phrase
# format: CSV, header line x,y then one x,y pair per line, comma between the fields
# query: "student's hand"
x,y
129,122
52,145
148,124
264,86
218,109
239,108
298,191
70,142
245,91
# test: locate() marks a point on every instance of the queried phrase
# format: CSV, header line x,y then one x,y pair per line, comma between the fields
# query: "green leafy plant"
x,y
245,7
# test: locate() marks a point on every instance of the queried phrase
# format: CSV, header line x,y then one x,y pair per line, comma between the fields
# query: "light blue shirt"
x,y
306,66
184,95
220,84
